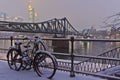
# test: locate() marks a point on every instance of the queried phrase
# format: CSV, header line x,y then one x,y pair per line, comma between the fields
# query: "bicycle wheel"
x,y
14,61
45,64
18,62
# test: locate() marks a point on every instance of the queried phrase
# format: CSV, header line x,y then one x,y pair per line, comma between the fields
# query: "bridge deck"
x,y
8,74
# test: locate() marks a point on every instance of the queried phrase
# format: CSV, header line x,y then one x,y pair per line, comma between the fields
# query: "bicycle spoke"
x,y
13,59
45,65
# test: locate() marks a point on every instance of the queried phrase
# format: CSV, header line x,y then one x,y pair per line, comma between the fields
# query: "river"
x,y
94,48
80,47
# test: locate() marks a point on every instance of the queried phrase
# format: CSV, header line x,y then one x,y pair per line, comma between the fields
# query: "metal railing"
x,y
89,64
113,53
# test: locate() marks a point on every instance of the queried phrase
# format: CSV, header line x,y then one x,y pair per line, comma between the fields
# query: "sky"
x,y
82,14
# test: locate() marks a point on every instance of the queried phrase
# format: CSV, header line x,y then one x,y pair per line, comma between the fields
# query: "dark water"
x,y
94,48
80,47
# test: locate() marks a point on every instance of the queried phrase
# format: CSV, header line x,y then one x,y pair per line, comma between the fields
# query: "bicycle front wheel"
x,y
45,64
14,59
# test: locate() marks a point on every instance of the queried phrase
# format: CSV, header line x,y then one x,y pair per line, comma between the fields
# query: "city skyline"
x,y
81,13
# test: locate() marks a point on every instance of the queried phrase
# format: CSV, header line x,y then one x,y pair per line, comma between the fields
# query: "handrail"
x,y
95,63
78,39
111,53
90,63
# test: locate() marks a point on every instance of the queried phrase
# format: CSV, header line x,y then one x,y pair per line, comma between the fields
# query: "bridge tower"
x,y
33,15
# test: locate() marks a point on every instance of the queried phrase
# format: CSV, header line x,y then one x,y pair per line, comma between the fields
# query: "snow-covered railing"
x,y
96,63
91,67
89,64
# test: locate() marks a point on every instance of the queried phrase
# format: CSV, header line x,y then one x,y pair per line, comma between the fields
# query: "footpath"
x,y
7,74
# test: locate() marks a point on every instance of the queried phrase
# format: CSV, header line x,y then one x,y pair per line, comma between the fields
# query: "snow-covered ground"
x,y
7,74
111,71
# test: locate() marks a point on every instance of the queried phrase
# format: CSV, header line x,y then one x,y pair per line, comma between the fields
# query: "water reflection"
x,y
94,48
80,47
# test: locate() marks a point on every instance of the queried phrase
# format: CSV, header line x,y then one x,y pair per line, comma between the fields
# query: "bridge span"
x,y
53,26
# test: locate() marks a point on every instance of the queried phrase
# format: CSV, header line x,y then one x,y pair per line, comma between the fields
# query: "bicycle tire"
x,y
11,56
45,65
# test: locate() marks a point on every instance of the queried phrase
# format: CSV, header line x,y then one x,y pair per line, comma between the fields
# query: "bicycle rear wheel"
x,y
45,64
14,60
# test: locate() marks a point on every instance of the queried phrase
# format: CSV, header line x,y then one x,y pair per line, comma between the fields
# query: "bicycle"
x,y
17,50
28,55
36,58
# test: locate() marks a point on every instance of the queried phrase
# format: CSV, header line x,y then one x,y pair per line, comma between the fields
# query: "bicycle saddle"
x,y
18,43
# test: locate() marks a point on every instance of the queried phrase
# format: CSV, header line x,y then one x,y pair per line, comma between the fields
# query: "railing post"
x,y
11,39
72,74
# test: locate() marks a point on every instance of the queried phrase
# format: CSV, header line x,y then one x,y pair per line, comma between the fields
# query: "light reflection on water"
x,y
94,48
80,47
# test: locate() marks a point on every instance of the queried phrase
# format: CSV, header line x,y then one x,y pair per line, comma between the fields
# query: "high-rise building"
x,y
5,17
33,15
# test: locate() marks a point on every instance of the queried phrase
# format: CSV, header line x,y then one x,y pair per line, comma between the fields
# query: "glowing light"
x,y
33,15
30,8
36,14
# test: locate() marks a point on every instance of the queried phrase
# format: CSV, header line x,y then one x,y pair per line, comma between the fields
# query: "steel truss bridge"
x,y
53,26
